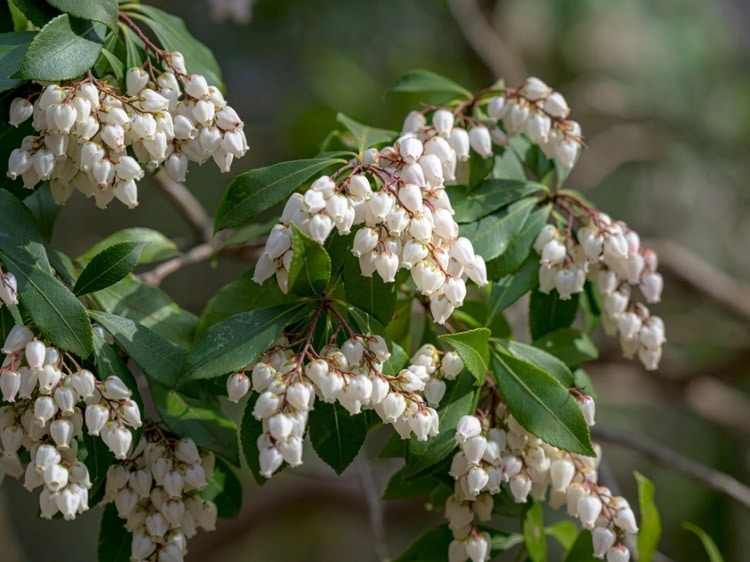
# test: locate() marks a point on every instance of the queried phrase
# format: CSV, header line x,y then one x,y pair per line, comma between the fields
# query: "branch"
x,y
196,254
704,278
486,42
713,479
187,205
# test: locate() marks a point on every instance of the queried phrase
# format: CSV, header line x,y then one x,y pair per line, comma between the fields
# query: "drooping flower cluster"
x,y
539,112
156,492
507,457
289,383
88,131
45,416
610,254
398,195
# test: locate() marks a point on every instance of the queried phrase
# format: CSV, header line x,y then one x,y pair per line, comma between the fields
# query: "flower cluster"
x,y
398,196
289,382
156,492
88,131
507,454
45,418
610,254
539,112
8,288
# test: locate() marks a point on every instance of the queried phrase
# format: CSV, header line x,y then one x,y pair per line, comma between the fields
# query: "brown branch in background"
x,y
199,253
693,271
713,479
486,42
187,205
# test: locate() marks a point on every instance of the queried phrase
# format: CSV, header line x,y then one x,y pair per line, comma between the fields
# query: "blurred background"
x,y
662,91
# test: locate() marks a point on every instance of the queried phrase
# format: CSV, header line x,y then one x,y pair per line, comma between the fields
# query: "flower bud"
x,y
443,121
20,110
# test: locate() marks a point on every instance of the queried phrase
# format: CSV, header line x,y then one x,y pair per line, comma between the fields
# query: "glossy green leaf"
x,y
160,359
541,404
174,36
582,550
53,308
508,166
649,532
459,400
714,555
396,361
148,306
13,47
541,359
548,312
64,49
564,532
512,287
114,540
533,533
491,195
258,190
472,348
224,489
371,294
19,233
492,234
109,363
519,249
108,267
236,342
571,346
104,11
36,11
134,55
336,435
425,81
582,382
365,136
431,546
156,246
43,207
202,420
310,269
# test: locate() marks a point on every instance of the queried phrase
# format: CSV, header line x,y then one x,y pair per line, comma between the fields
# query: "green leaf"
x,y
489,196
174,36
472,348
43,207
224,489
108,267
53,308
541,404
250,430
492,234
64,49
459,400
571,346
104,11
650,521
479,170
371,294
582,550
114,539
6,325
541,359
13,47
38,13
512,287
533,533
431,546
6,18
424,81
258,190
519,248
564,532
310,270
201,420
156,246
134,55
97,457
401,487
714,555
396,361
236,342
583,383
365,137
160,359
547,313
109,363
508,166
148,306
19,234
336,435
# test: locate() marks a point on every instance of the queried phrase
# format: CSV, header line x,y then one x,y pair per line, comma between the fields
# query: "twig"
x,y
374,507
713,479
196,254
485,41
187,205
701,276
